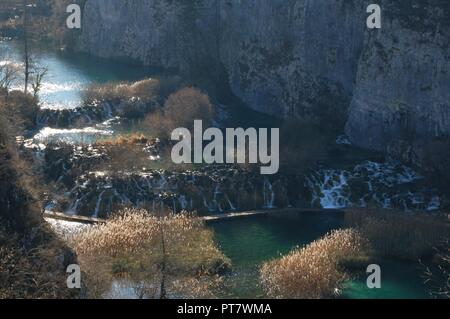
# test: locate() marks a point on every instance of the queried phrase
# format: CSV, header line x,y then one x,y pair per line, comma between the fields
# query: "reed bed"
x,y
135,244
313,271
409,236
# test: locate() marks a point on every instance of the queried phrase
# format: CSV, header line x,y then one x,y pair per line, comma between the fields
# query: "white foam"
x,y
65,228
48,135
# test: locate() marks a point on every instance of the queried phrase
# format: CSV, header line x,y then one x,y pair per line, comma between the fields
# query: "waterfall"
x,y
174,205
333,190
268,194
73,209
97,205
217,192
229,202
107,110
388,184
183,202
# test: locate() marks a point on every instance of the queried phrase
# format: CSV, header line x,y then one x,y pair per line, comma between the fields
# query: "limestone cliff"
x,y
302,58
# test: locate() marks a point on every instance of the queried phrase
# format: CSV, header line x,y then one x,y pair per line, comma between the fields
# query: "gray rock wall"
x,y
301,58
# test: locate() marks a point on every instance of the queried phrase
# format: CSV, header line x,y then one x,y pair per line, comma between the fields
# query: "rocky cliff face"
x,y
402,90
312,58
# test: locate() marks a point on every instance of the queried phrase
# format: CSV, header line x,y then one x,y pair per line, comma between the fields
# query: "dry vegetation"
x,y
176,252
410,236
32,260
401,235
24,108
314,271
145,90
131,139
437,274
180,110
36,269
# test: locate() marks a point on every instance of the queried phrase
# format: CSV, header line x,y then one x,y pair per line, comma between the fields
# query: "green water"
x,y
249,241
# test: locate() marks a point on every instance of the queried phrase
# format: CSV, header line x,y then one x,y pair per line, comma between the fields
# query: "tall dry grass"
x,y
121,140
401,235
313,271
145,90
131,246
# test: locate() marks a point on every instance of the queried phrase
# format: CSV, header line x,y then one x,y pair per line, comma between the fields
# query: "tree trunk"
x,y
163,266
26,48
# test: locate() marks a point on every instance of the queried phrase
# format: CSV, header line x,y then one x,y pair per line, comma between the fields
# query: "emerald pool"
x,y
249,241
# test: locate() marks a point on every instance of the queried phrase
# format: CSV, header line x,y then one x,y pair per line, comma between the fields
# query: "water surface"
x,y
250,241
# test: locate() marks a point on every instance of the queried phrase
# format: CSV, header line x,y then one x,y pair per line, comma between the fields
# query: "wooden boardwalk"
x,y
216,217
74,218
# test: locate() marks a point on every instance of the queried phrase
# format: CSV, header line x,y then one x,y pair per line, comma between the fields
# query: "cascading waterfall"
x,y
97,205
388,185
333,188
268,194
230,203
216,190
183,202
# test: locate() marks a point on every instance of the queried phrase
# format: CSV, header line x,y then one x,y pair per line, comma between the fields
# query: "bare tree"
x,y
38,75
163,293
9,73
26,52
437,275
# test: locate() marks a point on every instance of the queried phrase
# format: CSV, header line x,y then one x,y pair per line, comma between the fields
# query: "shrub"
x,y
145,90
397,234
35,269
22,109
180,110
149,251
187,105
132,139
313,271
159,124
437,274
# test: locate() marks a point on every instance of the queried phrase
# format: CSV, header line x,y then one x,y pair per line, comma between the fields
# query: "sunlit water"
x,y
68,74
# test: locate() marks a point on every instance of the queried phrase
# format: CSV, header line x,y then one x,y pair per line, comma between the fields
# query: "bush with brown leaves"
x,y
409,236
145,90
313,271
181,109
